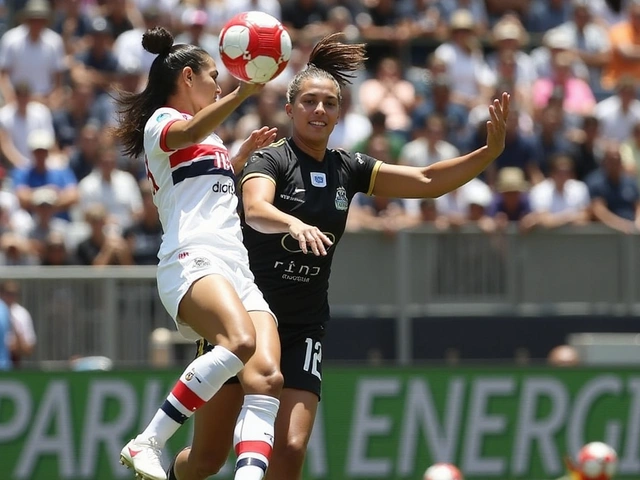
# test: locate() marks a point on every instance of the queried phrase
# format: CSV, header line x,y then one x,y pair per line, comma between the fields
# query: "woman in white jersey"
x,y
203,274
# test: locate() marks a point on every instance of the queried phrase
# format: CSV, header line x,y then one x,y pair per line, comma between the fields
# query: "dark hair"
x,y
135,109
330,59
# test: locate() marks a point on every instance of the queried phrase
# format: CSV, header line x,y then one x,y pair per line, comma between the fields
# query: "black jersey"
x,y
318,193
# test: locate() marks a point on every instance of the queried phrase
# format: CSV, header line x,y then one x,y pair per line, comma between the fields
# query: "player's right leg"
x,y
212,308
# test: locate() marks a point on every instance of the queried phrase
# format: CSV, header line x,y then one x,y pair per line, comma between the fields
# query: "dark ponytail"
x,y
330,59
135,109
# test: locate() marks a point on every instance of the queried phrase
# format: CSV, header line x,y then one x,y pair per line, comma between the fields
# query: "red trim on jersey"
x,y
254,446
163,135
194,152
187,397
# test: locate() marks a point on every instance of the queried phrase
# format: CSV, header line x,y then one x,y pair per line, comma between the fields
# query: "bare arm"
x,y
608,218
258,139
6,89
447,175
181,134
258,193
9,150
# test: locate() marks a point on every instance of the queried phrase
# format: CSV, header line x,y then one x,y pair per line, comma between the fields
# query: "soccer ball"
x,y
597,461
442,471
255,47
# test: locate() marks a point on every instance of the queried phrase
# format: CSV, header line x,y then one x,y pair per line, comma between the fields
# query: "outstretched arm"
x,y
445,176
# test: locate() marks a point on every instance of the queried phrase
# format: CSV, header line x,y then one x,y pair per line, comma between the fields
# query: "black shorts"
x,y
301,360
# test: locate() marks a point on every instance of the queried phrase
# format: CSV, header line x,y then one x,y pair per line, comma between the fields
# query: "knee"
x,y
243,346
204,466
264,379
293,448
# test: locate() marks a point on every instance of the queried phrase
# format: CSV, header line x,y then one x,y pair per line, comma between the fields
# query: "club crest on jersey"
x,y
342,202
162,116
318,179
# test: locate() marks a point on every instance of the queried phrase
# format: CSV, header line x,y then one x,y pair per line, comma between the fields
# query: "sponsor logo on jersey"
x,y
318,179
359,158
183,255
295,272
342,202
224,187
201,262
162,116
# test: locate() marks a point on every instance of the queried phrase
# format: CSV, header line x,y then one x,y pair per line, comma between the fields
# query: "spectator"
x,y
630,151
12,218
618,113
5,332
105,245
555,42
44,202
551,137
73,24
544,15
27,180
77,112
380,28
116,189
55,252
390,93
466,205
615,199
22,339
560,199
465,62
121,16
354,127
378,128
128,46
586,147
429,146
33,54
195,33
511,203
15,251
589,41
85,152
625,48
145,235
305,17
477,8
17,121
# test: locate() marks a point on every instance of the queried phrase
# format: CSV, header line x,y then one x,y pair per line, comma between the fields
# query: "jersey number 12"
x,y
313,357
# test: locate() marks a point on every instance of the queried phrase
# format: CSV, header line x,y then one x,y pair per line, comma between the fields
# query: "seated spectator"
x,y
555,42
477,8
127,46
615,198
12,217
44,204
195,33
544,15
630,152
353,127
145,235
17,121
560,200
511,203
586,147
429,146
82,158
72,23
27,180
625,48
378,129
55,251
618,113
77,111
15,251
42,66
466,205
105,245
22,339
107,185
551,137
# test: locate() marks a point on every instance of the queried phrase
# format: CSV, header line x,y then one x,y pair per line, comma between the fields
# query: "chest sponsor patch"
x,y
318,179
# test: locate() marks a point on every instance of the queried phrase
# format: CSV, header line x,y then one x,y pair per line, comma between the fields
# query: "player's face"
x,y
316,110
205,88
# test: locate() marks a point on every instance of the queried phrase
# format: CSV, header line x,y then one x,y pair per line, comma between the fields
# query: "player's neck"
x,y
314,150
181,104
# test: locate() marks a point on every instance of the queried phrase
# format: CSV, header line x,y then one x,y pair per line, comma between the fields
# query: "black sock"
x,y
171,474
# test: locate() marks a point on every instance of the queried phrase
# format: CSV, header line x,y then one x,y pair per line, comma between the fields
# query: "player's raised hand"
x,y
310,238
247,89
497,124
259,138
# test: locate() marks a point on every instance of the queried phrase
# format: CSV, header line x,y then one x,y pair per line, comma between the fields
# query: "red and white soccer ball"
x,y
254,47
597,461
442,471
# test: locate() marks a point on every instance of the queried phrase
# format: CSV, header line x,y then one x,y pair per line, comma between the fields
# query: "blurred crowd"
x,y
68,196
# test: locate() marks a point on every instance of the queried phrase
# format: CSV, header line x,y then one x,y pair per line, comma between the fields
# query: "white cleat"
x,y
143,456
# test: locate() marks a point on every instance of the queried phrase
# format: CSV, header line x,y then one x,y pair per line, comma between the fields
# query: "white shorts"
x,y
179,271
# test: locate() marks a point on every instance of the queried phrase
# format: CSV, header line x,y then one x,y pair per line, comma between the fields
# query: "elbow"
x,y
251,216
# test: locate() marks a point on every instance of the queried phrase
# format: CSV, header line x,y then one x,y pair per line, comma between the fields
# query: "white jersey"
x,y
194,191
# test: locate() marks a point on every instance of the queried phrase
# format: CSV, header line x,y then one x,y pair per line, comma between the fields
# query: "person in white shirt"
x,y
22,339
620,112
34,54
430,145
560,199
203,272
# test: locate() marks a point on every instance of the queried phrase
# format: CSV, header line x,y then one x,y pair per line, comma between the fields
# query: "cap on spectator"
x,y
556,38
44,196
478,194
509,30
36,9
511,179
195,17
99,25
41,140
461,19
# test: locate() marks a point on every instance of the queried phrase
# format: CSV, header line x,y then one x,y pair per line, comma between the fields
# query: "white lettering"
x,y
630,461
365,424
97,430
530,428
420,411
16,393
481,424
55,408
593,390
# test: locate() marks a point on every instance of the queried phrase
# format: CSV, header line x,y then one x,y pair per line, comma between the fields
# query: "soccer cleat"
x,y
143,456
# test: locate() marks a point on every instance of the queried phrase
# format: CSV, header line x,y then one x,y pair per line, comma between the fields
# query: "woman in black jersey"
x,y
296,195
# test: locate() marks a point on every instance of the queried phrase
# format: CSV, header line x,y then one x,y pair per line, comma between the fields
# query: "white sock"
x,y
198,383
253,436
